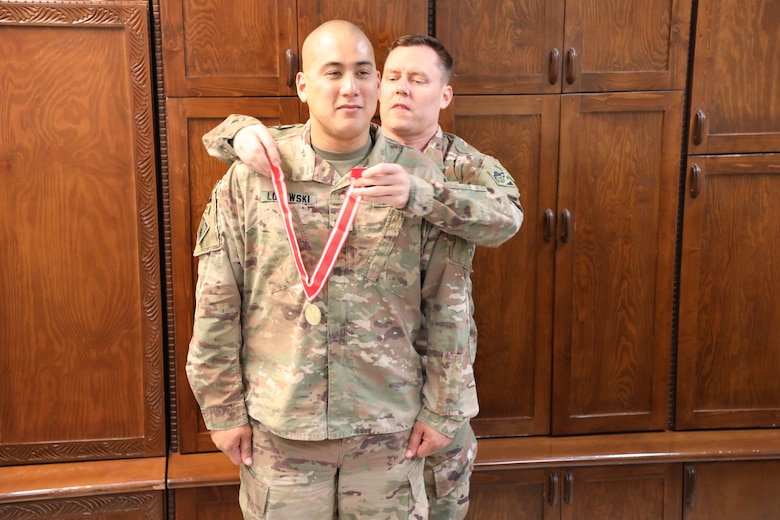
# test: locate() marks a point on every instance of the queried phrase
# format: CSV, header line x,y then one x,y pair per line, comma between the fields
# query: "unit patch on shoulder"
x,y
208,237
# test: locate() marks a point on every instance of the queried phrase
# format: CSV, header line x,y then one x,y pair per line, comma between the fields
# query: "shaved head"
x,y
329,34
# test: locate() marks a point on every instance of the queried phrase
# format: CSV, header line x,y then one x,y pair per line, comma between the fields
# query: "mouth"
x,y
350,108
399,106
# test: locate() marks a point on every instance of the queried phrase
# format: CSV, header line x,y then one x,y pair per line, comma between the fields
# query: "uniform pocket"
x,y
418,501
253,496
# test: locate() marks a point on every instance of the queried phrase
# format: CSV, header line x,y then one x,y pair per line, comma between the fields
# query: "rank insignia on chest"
x,y
292,198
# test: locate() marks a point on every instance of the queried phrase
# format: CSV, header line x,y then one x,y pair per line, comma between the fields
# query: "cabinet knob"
x,y
568,489
553,66
566,218
292,67
553,487
571,65
698,127
695,181
549,225
690,487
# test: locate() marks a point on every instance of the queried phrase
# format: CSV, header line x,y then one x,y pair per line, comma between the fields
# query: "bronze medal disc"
x,y
312,314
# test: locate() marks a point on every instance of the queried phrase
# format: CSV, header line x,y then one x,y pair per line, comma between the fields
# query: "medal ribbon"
x,y
312,285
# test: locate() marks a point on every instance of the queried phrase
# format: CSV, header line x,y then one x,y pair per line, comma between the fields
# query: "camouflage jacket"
x,y
392,346
477,200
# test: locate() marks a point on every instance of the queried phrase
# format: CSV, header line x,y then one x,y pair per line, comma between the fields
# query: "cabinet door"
x,y
729,490
236,48
729,336
625,45
207,503
638,492
193,174
617,201
381,20
520,494
735,91
503,46
512,284
81,360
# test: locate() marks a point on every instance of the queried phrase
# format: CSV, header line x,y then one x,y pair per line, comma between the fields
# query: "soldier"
x,y
330,389
415,87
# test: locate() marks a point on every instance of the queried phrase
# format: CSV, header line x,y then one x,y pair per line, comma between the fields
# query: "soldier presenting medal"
x,y
330,412
414,88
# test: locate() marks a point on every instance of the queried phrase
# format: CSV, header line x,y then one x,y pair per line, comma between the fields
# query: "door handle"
x,y
566,233
553,66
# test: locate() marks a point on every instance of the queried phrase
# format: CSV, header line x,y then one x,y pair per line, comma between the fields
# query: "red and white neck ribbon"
x,y
312,285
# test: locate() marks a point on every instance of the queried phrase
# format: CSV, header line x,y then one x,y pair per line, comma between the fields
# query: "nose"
x,y
402,86
349,86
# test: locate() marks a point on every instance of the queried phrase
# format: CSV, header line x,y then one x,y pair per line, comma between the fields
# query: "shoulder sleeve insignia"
x,y
208,238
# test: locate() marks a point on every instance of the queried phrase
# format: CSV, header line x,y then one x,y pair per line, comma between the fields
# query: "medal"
x,y
312,285
312,313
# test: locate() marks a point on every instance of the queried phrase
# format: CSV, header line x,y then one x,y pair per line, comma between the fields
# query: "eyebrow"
x,y
341,64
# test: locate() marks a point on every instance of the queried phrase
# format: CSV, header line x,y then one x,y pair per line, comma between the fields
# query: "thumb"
x,y
413,444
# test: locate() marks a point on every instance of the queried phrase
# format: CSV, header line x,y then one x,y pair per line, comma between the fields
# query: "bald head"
x,y
332,34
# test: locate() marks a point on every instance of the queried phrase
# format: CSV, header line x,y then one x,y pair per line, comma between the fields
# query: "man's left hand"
x,y
425,441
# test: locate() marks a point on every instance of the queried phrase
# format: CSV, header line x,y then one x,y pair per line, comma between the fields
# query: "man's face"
x,y
412,93
340,84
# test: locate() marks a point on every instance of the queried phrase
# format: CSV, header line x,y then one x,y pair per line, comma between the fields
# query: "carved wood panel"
x,y
82,359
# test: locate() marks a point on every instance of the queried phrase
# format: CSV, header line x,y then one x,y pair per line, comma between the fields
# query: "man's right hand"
x,y
236,443
256,148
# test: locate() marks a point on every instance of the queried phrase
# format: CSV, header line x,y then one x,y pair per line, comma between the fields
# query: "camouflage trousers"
x,y
448,474
357,478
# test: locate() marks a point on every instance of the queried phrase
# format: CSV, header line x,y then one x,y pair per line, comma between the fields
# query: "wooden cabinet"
x,y
81,319
728,349
614,266
639,492
728,490
535,46
735,90
513,294
192,175
248,48
729,339
575,313
582,296
206,503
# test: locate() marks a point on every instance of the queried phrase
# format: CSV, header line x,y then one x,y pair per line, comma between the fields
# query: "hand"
x,y
425,441
255,146
236,443
385,184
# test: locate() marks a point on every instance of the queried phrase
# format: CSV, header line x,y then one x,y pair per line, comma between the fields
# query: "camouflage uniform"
x,y
483,208
393,344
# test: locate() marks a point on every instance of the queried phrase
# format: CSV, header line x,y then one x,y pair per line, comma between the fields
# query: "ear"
x,y
300,85
446,97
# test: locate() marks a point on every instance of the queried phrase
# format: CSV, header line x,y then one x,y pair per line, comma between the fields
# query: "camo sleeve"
x,y
214,358
219,140
480,203
449,389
